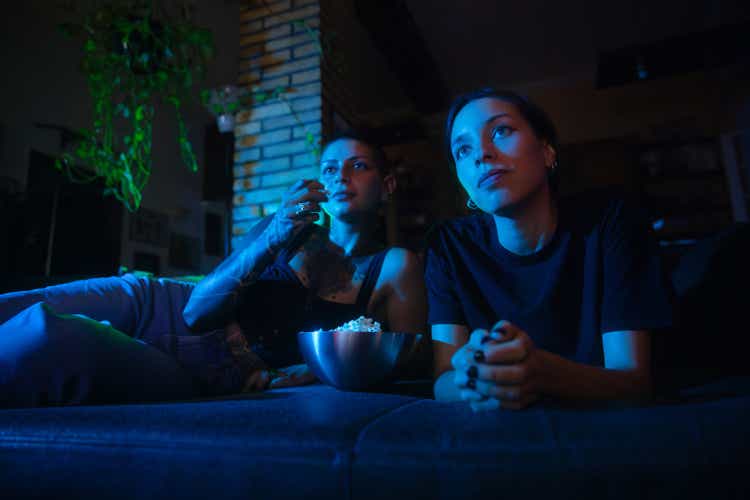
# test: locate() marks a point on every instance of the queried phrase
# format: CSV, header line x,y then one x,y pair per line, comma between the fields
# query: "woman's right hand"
x,y
298,209
466,357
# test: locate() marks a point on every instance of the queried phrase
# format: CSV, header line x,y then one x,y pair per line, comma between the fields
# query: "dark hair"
x,y
367,139
537,118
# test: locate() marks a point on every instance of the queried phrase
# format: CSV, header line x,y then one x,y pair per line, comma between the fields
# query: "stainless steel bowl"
x,y
355,360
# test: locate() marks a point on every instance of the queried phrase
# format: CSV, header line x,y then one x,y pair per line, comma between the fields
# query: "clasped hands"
x,y
499,368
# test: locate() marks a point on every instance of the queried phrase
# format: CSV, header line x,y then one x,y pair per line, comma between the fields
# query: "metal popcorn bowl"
x,y
355,360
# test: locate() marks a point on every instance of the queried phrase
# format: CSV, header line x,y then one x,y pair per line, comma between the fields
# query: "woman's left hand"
x,y
501,368
293,376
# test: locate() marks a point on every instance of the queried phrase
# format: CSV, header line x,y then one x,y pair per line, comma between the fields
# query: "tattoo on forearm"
x,y
240,271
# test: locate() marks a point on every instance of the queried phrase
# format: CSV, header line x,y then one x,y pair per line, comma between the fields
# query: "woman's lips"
x,y
492,177
342,196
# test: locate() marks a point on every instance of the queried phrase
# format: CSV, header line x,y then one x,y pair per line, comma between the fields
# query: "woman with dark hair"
x,y
293,275
535,295
134,338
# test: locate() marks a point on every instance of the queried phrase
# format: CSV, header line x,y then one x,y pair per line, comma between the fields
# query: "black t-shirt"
x,y
600,272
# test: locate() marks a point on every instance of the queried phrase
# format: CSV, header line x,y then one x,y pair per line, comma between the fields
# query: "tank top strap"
x,y
371,279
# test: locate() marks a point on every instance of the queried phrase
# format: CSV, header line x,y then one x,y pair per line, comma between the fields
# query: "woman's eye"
x,y
461,152
360,165
328,170
501,131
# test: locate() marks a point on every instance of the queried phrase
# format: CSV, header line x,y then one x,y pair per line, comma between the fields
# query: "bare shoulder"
x,y
399,264
401,290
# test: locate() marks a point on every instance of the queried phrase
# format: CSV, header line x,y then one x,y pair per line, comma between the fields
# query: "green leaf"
x,y
124,86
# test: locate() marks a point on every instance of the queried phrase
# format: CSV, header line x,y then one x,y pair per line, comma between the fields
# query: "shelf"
x,y
690,226
686,176
685,190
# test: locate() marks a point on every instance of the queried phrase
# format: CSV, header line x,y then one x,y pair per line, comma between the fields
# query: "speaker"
x,y
69,228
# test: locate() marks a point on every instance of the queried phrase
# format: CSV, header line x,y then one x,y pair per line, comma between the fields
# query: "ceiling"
x,y
492,42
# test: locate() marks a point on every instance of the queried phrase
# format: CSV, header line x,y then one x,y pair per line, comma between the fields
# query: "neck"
x,y
527,228
353,237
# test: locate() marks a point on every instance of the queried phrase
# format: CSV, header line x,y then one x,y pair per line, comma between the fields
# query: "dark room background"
x,y
650,96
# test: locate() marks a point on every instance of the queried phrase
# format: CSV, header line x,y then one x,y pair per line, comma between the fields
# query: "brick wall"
x,y
271,152
353,81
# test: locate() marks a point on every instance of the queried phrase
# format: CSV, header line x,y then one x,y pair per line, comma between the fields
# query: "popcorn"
x,y
361,324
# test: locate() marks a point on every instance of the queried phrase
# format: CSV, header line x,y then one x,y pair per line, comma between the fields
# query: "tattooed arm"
x,y
215,298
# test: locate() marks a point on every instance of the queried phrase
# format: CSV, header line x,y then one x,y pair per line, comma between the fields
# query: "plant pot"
x,y
225,123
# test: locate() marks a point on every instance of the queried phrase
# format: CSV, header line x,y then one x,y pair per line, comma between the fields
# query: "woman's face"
x,y
351,176
500,161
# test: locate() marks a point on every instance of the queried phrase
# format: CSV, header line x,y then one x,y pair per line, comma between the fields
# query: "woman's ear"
x,y
389,186
550,155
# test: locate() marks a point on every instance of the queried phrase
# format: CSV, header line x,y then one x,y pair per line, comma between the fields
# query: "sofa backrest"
x,y
711,334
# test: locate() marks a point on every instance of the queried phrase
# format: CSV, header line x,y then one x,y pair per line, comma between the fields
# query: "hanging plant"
x,y
134,55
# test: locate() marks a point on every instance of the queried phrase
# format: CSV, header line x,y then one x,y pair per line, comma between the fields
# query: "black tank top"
x,y
278,305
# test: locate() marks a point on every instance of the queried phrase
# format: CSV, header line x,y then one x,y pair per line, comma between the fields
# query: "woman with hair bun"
x,y
534,295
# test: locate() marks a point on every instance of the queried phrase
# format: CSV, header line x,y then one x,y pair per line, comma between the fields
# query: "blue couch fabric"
x,y
317,442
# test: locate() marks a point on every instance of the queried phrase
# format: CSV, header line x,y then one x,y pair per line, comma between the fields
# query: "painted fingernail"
x,y
499,334
478,356
472,372
471,383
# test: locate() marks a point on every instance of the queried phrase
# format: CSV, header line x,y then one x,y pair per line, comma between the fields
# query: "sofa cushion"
x,y
694,447
288,443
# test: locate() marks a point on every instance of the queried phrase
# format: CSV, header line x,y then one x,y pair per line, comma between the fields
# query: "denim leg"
x,y
117,300
143,308
159,305
146,309
49,358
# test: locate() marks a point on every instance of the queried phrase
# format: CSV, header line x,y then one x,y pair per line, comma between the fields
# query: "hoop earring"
x,y
554,165
471,205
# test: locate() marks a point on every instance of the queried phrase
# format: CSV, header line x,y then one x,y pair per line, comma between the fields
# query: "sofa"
x,y
318,442
397,442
